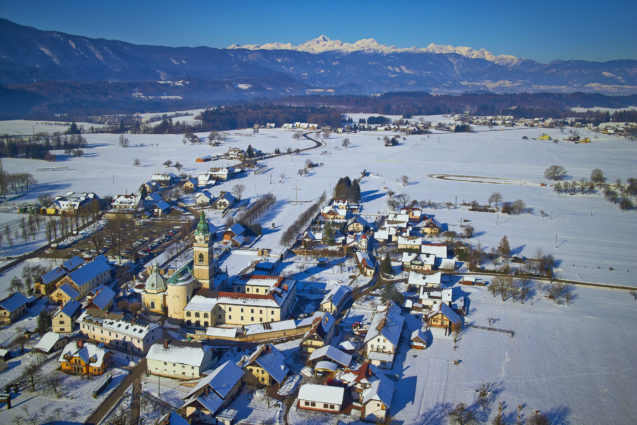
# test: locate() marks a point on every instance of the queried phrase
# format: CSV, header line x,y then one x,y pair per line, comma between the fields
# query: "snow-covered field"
x,y
28,127
566,361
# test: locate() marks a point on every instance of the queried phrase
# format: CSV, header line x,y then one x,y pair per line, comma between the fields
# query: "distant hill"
x,y
64,71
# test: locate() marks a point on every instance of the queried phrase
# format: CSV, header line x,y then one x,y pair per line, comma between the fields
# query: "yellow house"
x,y
84,358
64,318
266,365
12,307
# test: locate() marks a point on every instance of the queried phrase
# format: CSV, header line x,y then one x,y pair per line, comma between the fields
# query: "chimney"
x,y
285,287
80,343
165,344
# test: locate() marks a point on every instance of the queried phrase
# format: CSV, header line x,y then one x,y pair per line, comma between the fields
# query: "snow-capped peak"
x,y
323,43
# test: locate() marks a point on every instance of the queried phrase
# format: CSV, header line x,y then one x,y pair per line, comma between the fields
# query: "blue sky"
x,y
539,30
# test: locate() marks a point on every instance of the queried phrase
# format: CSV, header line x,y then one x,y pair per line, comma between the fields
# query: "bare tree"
x,y
495,198
555,172
461,415
345,143
405,180
237,190
137,162
297,135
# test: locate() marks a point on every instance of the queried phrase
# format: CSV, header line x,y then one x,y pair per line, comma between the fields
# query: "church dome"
x,y
155,282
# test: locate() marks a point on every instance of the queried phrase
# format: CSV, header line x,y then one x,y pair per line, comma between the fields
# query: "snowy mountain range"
x,y
69,71
323,44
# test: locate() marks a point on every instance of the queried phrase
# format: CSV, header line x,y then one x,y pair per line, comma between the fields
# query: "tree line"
x,y
290,234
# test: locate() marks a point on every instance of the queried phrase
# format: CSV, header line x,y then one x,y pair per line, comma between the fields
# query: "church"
x,y
170,296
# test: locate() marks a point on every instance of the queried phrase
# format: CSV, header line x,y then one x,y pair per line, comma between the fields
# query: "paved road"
x,y
107,405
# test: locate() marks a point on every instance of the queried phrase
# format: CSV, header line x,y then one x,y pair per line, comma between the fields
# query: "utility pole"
x,y
296,189
556,240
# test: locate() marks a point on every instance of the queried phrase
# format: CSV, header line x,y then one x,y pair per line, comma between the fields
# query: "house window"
x,y
307,403
201,258
312,404
187,314
205,315
61,329
251,310
241,318
152,304
326,406
332,406
252,319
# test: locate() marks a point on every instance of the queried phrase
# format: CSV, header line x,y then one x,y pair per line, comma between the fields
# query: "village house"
x,y
236,235
12,308
178,360
418,262
366,263
82,280
50,342
357,224
224,201
265,366
435,249
359,241
125,333
164,179
331,354
65,317
418,340
335,299
203,198
84,358
422,281
126,202
224,173
431,227
212,393
74,203
320,332
320,398
410,243
377,399
443,316
190,185
46,284
205,180
383,336
101,298
415,214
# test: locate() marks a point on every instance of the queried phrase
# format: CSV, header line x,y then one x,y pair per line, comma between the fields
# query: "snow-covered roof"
x,y
439,250
447,264
72,263
270,327
53,275
69,290
103,297
86,352
272,360
118,323
418,334
382,389
90,271
427,259
193,356
432,279
70,308
13,302
211,401
413,241
322,393
365,258
337,295
326,365
446,311
201,303
388,322
48,341
347,345
155,281
333,353
221,380
221,332
237,229
380,356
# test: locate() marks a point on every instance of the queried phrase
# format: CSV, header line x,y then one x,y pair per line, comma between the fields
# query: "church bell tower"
x,y
203,267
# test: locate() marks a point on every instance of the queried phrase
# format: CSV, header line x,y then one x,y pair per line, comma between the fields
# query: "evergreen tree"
x,y
385,265
250,151
355,192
